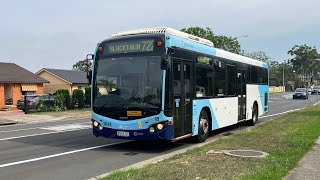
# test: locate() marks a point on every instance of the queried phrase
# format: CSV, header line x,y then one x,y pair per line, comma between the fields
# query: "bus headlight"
x,y
151,129
160,126
100,127
95,123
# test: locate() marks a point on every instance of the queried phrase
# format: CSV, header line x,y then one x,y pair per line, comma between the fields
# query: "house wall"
x,y
55,83
2,95
16,93
76,86
40,89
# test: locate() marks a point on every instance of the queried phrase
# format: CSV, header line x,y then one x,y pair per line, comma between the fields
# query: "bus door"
x,y
241,88
182,94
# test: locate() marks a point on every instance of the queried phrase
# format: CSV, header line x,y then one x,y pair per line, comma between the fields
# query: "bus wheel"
x,y
203,127
254,119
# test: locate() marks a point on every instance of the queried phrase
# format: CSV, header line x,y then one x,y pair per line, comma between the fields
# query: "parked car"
x,y
33,101
300,93
316,90
309,90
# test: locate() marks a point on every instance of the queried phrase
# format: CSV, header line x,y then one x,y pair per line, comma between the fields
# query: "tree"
x,y
223,42
261,56
305,59
83,65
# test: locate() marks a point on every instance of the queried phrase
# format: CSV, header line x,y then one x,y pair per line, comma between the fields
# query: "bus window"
x,y
265,76
204,86
231,80
254,75
219,78
260,76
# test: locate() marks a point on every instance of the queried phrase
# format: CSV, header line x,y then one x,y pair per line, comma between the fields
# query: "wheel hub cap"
x,y
204,125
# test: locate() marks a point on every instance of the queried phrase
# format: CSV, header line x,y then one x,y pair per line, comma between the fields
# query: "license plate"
x,y
123,133
134,113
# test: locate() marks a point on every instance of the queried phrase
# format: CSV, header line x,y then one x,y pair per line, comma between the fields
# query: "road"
x,y
68,150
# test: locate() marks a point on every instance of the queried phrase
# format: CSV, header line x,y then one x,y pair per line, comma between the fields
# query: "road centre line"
x,y
60,154
15,130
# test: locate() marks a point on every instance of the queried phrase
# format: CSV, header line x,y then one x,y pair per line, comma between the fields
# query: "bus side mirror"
x,y
164,63
90,57
89,76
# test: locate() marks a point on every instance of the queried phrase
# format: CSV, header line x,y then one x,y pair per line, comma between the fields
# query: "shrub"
x,y
63,100
87,95
42,107
78,98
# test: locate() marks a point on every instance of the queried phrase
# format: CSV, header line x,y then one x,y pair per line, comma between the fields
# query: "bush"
x,y
63,100
87,95
42,107
78,98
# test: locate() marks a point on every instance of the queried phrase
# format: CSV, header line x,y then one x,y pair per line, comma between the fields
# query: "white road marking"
x,y
316,103
280,113
42,122
40,134
275,98
287,96
16,130
67,127
59,154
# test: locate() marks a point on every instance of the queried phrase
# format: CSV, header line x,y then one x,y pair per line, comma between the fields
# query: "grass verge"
x,y
66,114
286,139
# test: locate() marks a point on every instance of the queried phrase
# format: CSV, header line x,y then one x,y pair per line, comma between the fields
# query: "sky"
x,y
38,34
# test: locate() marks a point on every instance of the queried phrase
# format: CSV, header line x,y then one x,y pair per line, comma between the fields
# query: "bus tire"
x,y
203,127
254,119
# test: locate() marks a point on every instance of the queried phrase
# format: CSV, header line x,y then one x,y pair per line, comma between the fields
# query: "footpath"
x,y
18,117
309,167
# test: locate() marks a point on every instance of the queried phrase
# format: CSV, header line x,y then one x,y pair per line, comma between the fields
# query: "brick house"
x,y
63,79
16,81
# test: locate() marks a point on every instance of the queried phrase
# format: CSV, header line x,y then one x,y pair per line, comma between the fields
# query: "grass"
x,y
286,139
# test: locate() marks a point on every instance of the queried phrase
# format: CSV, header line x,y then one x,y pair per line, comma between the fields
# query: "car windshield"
x,y
127,83
300,90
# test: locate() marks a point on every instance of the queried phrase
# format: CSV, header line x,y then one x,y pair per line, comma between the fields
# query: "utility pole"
x,y
283,76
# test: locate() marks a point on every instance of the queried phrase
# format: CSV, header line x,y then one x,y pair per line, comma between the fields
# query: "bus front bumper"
x,y
165,134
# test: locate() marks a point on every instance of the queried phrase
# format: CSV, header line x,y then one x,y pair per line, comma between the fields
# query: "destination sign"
x,y
130,46
205,60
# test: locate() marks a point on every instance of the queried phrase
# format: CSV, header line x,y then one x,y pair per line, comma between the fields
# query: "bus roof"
x,y
236,57
219,52
164,30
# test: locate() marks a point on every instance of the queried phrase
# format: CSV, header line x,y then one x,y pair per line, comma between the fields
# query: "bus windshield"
x,y
127,84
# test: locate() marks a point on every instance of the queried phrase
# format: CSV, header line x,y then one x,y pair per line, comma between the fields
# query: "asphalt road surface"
x,y
68,150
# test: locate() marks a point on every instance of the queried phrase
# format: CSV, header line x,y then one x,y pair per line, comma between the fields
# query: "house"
x,y
16,81
63,79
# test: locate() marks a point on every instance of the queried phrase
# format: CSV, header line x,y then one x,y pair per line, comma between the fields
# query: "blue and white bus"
x,y
164,84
